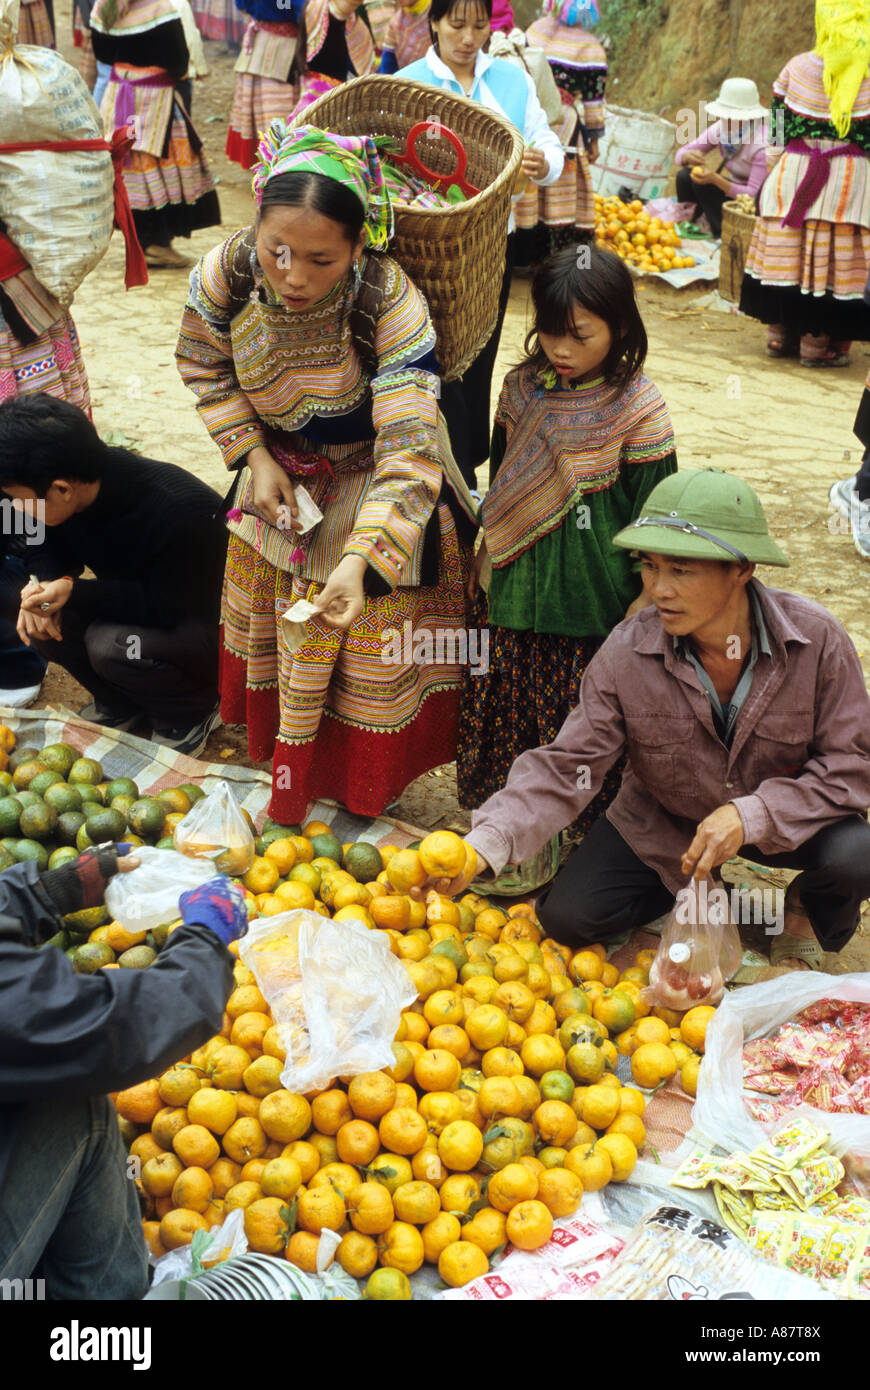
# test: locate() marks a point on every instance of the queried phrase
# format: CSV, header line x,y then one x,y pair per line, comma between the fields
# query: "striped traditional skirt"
x,y
220,20
257,101
810,279
520,702
353,715
181,177
565,207
34,25
52,363
172,193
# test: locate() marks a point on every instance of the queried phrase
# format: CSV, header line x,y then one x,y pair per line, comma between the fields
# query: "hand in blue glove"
x,y
218,905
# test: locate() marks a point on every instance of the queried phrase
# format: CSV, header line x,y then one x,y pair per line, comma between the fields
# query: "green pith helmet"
x,y
703,514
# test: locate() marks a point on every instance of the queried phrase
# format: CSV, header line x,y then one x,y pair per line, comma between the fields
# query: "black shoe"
x,y
189,741
96,715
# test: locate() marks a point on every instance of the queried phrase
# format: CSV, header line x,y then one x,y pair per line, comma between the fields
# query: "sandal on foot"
x,y
836,359
788,947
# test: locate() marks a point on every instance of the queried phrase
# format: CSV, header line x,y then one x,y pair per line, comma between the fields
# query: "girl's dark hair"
x,y
320,194
439,8
601,283
42,438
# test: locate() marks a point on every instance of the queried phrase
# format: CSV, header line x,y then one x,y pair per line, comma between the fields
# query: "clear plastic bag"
x,y
720,1114
214,828
699,950
147,897
335,991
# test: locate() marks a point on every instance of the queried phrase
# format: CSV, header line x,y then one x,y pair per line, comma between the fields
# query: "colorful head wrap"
x,y
573,12
352,160
843,43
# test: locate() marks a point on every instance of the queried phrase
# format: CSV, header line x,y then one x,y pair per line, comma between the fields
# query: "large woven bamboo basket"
x,y
737,229
454,255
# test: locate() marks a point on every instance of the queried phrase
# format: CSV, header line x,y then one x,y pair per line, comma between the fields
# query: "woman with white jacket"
x,y
457,63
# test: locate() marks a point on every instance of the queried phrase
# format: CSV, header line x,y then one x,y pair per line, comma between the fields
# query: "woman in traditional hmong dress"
x,y
36,23
456,62
169,183
81,18
580,439
335,43
265,86
565,211
311,355
379,14
810,252
220,20
407,36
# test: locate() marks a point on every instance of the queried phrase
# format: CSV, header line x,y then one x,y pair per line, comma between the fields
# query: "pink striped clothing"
x,y
747,167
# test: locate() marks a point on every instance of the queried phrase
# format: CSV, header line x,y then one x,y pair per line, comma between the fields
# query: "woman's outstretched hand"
x,y
342,599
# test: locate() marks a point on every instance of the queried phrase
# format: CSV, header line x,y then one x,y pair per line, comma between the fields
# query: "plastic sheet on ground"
x,y
154,768
151,766
706,266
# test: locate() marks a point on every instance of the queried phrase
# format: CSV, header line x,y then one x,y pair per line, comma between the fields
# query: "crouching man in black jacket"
x,y
69,1214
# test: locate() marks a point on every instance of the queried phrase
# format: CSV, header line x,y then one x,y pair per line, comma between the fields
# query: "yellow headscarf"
x,y
843,42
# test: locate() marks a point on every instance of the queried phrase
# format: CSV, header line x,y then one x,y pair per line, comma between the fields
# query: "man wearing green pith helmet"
x,y
744,714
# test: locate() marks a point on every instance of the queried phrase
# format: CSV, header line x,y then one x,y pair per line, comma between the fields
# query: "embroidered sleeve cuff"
x,y
755,817
490,843
383,558
239,442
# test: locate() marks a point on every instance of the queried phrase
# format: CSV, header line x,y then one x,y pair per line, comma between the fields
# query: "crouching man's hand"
x,y
452,887
717,839
82,882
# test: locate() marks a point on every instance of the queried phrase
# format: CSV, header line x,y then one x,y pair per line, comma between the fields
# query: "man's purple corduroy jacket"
x,y
799,758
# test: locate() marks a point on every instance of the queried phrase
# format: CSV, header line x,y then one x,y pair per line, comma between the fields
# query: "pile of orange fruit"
x,y
645,242
502,1105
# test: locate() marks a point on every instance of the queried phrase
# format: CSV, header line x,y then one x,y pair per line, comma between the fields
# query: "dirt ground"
x,y
786,430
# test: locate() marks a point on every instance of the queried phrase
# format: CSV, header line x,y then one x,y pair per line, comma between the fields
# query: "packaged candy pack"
x,y
750,1082
673,1254
782,1200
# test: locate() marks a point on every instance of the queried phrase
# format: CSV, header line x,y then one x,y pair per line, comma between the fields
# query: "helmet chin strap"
x,y
676,523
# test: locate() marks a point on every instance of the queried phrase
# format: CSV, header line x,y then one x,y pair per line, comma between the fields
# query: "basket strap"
x,y
366,311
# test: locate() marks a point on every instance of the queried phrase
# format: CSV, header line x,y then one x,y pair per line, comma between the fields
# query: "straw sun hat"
x,y
738,100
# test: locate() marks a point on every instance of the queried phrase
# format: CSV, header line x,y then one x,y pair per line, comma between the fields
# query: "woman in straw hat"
x,y
311,355
810,252
746,721
739,134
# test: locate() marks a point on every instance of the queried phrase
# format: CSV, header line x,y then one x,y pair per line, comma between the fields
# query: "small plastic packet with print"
x,y
293,624
803,1249
768,1233
696,1171
790,1145
813,1179
858,1279
844,1244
